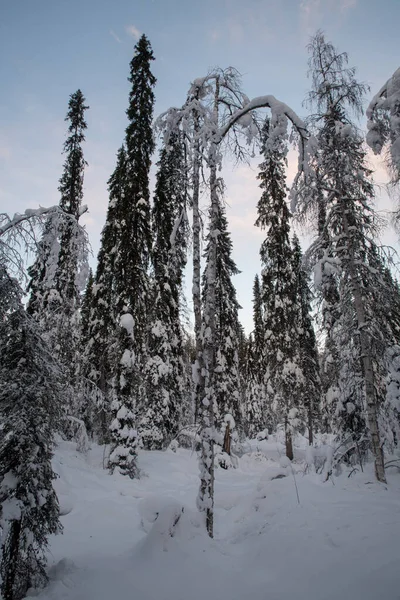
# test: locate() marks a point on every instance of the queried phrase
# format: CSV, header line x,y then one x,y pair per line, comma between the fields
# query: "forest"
x,y
111,358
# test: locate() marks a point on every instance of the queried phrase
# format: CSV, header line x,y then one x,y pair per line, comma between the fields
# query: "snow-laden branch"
x,y
383,124
29,214
26,216
277,108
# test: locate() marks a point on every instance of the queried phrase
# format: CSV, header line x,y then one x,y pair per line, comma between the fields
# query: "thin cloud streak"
x,y
116,38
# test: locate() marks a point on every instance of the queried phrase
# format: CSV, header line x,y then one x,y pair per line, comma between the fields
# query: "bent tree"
x,y
216,116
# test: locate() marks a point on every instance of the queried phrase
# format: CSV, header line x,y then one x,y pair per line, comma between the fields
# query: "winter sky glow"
x,y
50,48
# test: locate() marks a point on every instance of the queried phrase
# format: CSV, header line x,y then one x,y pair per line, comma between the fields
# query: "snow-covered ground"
x,y
342,542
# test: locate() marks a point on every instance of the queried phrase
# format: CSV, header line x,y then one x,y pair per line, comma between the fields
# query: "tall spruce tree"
x,y
30,402
60,270
227,375
350,250
283,376
101,333
167,384
131,284
311,388
255,405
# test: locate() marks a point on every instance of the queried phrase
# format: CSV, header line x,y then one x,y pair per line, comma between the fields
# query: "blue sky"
x,y
50,48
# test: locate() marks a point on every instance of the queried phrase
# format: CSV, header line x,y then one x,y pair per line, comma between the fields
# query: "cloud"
x,y
346,5
214,35
313,13
116,38
5,152
133,31
310,15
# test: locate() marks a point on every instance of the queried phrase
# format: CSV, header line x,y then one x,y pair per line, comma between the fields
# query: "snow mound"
x,y
166,520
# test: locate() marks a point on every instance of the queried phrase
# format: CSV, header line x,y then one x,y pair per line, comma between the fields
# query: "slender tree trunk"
x,y
288,441
371,408
227,440
310,422
206,494
8,584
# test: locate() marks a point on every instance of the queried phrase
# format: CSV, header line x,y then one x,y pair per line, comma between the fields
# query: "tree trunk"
x,y
288,441
206,494
227,440
310,422
9,587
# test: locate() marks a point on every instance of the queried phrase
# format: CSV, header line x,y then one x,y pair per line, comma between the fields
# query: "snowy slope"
x,y
341,541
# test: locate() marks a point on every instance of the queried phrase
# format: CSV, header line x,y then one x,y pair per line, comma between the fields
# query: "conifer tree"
x,y
86,305
227,375
283,376
167,390
131,263
101,334
311,388
60,270
30,394
350,247
255,405
258,331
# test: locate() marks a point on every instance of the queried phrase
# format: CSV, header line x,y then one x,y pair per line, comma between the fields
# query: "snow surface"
x,y
143,539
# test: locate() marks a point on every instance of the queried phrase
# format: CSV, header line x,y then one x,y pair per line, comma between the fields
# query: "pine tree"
x,y
86,305
283,377
254,405
99,354
350,249
256,417
42,271
30,394
61,267
311,388
131,263
258,331
227,375
166,373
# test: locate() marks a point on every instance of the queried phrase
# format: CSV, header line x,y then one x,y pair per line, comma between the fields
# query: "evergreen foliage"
x,y
347,250
130,284
30,394
283,376
311,388
168,388
60,270
227,336
255,405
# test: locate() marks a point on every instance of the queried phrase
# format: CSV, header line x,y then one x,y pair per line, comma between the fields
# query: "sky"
x,y
50,48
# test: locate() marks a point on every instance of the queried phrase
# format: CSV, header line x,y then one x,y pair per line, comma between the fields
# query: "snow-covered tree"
x,y
216,111
60,270
227,375
86,305
168,390
30,400
131,284
283,374
99,334
346,249
255,405
309,360
384,122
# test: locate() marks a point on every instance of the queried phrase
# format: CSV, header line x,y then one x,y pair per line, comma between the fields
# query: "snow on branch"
x,y
383,124
18,234
18,218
